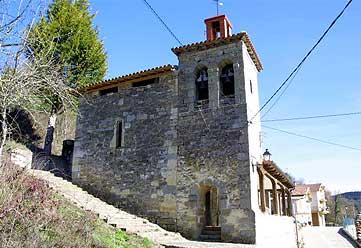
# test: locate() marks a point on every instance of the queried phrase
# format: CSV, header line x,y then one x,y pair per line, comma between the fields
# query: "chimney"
x,y
218,27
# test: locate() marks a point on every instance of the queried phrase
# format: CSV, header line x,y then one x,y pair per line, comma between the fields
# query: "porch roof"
x,y
277,173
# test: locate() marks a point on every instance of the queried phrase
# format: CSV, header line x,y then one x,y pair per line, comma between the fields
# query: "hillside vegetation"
x,y
354,196
32,215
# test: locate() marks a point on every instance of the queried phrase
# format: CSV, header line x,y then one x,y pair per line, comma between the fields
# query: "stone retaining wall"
x,y
21,157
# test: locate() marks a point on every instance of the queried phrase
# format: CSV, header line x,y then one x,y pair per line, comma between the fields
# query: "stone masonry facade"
x,y
181,164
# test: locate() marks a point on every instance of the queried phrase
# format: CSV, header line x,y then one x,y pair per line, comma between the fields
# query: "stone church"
x,y
175,144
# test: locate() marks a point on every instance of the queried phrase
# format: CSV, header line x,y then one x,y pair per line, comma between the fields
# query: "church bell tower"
x,y
217,96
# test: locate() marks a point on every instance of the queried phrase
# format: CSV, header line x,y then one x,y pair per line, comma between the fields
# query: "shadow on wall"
x,y
25,130
22,127
60,166
30,130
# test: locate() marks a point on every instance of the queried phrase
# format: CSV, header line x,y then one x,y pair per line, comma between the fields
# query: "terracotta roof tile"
x,y
136,75
301,189
314,187
199,46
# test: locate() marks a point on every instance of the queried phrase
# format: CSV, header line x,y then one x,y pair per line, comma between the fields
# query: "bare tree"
x,y
26,82
15,18
28,88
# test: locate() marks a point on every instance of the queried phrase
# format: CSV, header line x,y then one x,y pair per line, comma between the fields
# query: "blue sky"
x,y
282,32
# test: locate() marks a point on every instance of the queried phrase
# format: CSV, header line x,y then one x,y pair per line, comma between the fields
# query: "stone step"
x,y
212,228
210,237
128,222
211,232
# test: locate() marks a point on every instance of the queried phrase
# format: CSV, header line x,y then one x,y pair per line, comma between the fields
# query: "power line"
x,y
312,117
163,22
314,139
303,60
282,93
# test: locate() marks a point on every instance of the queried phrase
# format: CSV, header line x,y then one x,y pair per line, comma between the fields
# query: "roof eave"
x,y
199,46
272,168
130,77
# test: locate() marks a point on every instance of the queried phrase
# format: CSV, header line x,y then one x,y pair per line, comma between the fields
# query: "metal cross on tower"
x,y
218,3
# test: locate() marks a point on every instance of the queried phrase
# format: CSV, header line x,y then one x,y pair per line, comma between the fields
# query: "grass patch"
x,y
34,216
147,243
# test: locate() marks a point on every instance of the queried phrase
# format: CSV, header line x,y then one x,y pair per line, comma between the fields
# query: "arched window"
x,y
227,81
202,85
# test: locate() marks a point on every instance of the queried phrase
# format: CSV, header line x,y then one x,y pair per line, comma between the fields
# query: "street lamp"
x,y
267,155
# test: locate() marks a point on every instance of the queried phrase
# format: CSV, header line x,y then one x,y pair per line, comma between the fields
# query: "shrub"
x,y
32,215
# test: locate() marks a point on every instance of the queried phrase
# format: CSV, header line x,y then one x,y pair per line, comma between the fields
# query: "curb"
x,y
350,238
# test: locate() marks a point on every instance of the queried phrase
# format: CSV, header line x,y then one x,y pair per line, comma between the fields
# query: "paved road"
x,y
325,237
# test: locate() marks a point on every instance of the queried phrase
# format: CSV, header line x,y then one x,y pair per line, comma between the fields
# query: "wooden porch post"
x,y
284,210
289,199
262,191
274,196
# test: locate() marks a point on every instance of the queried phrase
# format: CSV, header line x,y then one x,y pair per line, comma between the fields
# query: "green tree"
x,y
339,208
67,37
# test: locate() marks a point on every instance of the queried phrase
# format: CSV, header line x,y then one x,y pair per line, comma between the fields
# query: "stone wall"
x,y
174,152
250,81
21,157
140,175
213,147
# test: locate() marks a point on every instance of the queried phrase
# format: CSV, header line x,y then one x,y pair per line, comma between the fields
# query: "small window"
x,y
202,94
251,86
227,81
119,134
145,82
108,91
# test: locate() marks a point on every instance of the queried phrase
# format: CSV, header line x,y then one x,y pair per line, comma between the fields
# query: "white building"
x,y
309,204
301,202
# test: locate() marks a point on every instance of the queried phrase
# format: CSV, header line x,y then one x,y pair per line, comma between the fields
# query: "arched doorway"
x,y
209,200
210,205
208,214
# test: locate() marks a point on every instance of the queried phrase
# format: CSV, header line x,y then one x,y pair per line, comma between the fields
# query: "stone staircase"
x,y
125,221
211,234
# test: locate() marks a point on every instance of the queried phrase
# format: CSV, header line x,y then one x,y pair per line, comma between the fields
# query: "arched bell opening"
x,y
227,88
201,83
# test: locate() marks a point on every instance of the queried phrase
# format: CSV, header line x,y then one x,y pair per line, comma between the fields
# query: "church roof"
x,y
130,77
199,46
